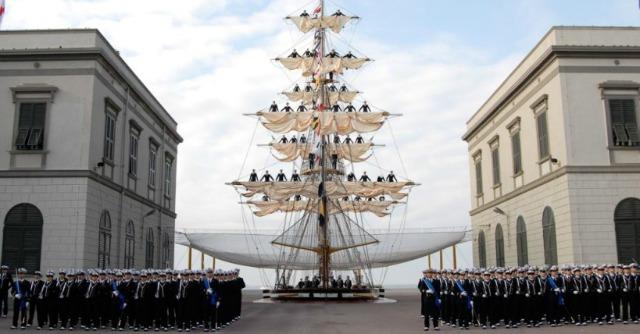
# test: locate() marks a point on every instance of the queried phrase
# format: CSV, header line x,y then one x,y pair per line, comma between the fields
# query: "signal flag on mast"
x,y
2,9
317,10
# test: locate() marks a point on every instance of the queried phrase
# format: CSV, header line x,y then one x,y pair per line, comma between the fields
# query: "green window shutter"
x,y
543,135
495,161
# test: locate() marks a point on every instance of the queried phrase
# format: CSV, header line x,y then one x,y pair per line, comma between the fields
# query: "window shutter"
x,y
543,136
515,147
495,160
478,177
25,120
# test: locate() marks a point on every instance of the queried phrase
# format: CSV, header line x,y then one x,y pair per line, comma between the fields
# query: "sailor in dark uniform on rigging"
x,y
281,177
273,107
287,108
391,177
365,177
266,177
253,177
295,177
301,108
364,107
350,108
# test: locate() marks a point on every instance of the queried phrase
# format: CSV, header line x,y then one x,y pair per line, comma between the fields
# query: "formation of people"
x,y
125,299
295,177
530,296
337,139
364,107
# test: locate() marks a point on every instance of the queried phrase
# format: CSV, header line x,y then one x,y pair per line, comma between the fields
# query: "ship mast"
x,y
323,219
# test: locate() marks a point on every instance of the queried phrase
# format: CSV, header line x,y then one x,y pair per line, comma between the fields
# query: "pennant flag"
x,y
317,10
2,9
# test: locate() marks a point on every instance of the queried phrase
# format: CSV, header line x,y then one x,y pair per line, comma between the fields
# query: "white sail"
x,y
280,191
307,23
334,97
292,151
264,208
341,123
311,66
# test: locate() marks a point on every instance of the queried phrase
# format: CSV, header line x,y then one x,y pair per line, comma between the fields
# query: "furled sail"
x,y
307,23
280,191
351,152
264,208
341,123
334,97
310,66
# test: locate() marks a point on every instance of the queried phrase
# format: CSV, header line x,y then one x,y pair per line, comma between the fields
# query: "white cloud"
x,y
208,67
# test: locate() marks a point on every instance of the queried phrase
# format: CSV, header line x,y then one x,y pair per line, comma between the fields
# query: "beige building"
x,y
88,156
554,154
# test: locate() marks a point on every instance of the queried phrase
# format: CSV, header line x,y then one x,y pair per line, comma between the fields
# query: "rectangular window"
x,y
495,164
478,166
168,162
109,136
543,136
153,152
30,134
133,153
624,128
515,150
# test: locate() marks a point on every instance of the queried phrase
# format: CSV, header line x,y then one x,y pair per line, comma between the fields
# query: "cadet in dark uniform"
x,y
430,298
34,291
266,177
287,108
20,293
253,177
273,107
365,177
5,284
364,107
281,177
350,108
295,177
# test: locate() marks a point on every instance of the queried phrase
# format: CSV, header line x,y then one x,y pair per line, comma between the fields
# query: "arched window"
x,y
521,242
22,237
166,250
482,250
149,250
499,246
627,221
130,245
104,240
549,237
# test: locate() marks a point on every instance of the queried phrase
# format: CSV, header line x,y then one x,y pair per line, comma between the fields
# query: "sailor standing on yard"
x,y
430,298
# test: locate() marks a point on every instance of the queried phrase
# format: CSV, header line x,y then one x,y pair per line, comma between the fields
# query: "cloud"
x,y
208,67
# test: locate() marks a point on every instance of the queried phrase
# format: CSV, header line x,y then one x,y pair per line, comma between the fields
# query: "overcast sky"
x,y
208,61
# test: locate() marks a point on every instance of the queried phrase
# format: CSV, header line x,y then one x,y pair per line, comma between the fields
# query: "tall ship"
x,y
322,130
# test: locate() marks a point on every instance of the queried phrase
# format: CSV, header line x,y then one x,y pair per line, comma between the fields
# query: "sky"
x,y
210,61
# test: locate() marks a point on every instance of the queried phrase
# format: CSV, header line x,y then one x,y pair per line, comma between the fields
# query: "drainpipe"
x,y
122,180
159,249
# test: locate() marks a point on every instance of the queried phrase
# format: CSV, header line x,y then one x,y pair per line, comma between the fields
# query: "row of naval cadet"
x,y
531,296
124,299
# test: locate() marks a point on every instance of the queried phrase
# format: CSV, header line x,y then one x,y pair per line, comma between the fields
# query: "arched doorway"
x,y
22,237
627,221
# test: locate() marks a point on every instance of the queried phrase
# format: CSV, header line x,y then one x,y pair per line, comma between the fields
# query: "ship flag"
x,y
2,10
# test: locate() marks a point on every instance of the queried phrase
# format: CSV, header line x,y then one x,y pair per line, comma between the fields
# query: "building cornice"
x,y
554,52
85,174
566,170
94,54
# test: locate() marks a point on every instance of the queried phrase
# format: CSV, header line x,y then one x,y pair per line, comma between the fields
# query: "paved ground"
x,y
325,318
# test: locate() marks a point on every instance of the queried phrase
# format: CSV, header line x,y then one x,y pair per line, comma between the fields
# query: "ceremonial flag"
x,y
2,9
317,10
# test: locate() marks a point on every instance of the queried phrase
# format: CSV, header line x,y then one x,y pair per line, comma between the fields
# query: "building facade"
x,y
554,154
88,156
